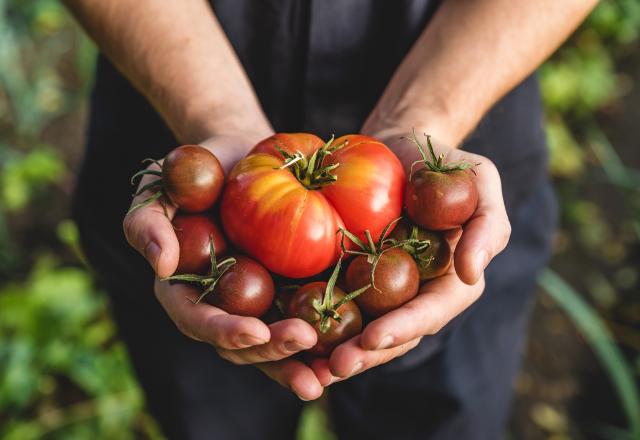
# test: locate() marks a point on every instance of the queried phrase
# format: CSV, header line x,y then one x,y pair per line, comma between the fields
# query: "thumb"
x,y
148,229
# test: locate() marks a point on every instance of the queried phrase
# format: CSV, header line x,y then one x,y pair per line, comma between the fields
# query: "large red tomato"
x,y
285,201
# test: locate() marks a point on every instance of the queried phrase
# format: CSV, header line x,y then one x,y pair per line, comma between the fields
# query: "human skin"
x,y
470,55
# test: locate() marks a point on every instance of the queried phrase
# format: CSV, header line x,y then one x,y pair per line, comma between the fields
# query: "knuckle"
x,y
272,354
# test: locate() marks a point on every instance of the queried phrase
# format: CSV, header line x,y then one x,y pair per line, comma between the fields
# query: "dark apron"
x,y
320,66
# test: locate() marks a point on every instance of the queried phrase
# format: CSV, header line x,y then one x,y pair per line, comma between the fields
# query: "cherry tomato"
x,y
245,289
302,306
194,232
441,201
440,196
285,201
396,281
191,179
434,258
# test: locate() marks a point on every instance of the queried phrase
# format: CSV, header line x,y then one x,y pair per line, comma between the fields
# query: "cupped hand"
x,y
395,333
487,232
244,340
440,300
241,340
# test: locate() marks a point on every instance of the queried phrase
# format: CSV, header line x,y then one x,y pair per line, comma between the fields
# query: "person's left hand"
x,y
440,300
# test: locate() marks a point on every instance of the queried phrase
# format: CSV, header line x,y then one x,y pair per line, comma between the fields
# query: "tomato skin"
x,y
441,201
396,278
193,232
301,306
270,216
436,259
273,217
245,289
192,178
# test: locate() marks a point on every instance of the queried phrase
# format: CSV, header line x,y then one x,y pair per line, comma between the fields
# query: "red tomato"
x,y
194,232
440,201
285,209
440,196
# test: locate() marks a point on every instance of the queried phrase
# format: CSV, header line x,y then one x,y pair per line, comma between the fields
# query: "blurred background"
x,y
65,375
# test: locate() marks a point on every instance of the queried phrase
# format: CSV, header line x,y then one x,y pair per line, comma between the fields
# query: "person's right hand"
x,y
241,340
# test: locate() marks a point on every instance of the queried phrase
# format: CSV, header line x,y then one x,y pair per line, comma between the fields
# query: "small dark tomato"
x,y
396,281
302,306
441,200
193,232
434,261
192,178
245,289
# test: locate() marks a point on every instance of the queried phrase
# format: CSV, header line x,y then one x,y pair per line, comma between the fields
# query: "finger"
x,y
320,367
294,375
438,302
349,358
487,232
206,323
149,231
287,338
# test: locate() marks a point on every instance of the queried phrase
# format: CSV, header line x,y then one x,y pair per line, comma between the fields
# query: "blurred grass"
x,y
63,372
600,339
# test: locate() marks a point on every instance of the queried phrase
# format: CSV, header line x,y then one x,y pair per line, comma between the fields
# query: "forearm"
x,y
471,54
178,56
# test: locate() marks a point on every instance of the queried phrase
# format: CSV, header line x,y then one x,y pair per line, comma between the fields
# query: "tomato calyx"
x,y
326,308
155,185
415,247
436,163
311,171
372,250
210,280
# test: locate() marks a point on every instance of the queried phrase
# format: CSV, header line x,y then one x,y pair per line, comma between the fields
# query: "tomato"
x,y
245,289
191,179
429,249
238,285
441,196
193,232
396,281
285,201
302,306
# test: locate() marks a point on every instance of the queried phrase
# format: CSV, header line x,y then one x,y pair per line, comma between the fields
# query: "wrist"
x,y
402,118
200,121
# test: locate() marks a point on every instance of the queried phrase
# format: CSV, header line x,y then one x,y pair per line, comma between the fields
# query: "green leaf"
x,y
588,322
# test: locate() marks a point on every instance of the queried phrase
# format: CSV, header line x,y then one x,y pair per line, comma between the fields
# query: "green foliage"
x,y
581,80
314,423
594,330
57,344
23,176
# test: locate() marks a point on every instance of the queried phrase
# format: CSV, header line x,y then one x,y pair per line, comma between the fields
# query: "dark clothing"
x,y
320,66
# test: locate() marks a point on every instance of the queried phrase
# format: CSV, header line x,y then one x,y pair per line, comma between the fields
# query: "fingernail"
x,y
482,259
250,340
152,254
295,346
302,398
357,368
386,342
